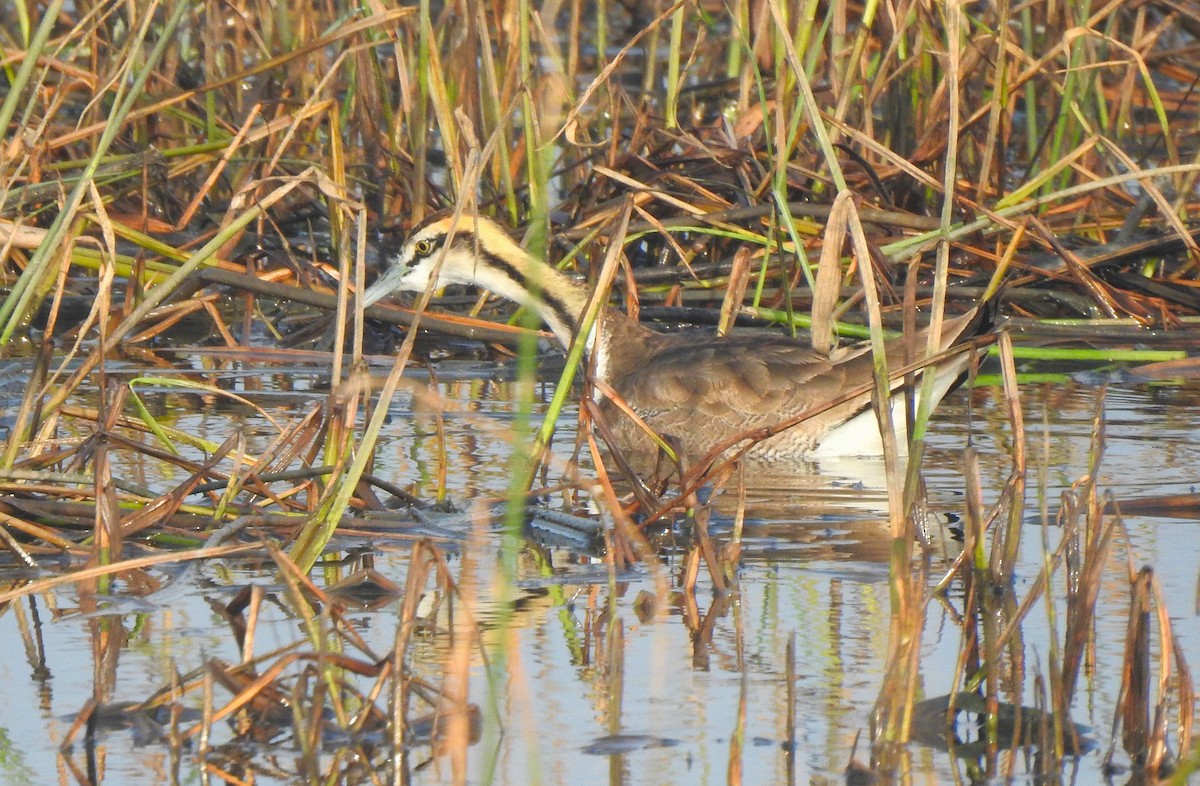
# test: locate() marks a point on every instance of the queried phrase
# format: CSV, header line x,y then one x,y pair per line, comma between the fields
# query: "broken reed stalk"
x,y
1085,544
991,656
891,716
1086,541
983,646
430,95
486,109
311,687
707,551
1134,701
1007,543
107,536
1092,543
1144,713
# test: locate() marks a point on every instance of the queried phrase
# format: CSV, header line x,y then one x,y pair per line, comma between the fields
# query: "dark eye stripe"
x,y
466,241
560,309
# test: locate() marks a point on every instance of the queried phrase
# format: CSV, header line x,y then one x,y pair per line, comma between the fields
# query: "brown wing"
x,y
704,390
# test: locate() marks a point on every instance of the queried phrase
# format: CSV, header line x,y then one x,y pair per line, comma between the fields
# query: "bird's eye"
x,y
423,248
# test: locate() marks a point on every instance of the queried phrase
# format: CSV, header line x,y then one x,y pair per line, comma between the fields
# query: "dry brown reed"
x,y
156,157
994,667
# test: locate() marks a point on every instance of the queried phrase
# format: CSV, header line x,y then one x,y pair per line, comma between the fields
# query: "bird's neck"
x,y
556,299
560,302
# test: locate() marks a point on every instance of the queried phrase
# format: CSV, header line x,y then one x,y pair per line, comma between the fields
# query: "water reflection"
x,y
593,679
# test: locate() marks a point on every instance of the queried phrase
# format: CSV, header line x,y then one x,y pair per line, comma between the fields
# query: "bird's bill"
x,y
388,283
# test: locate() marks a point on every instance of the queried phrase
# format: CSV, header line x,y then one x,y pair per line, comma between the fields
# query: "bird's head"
x,y
469,250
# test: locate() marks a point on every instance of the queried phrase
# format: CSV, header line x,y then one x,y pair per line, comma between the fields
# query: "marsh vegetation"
x,y
255,532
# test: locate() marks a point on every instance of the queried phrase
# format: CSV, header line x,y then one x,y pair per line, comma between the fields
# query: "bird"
x,y
697,392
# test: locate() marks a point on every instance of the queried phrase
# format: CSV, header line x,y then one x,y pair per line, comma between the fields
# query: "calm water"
x,y
813,573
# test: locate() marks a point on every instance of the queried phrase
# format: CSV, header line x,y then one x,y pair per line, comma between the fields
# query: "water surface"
x,y
586,686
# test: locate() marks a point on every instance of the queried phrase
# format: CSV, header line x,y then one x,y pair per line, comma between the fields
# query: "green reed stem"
x,y
17,304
